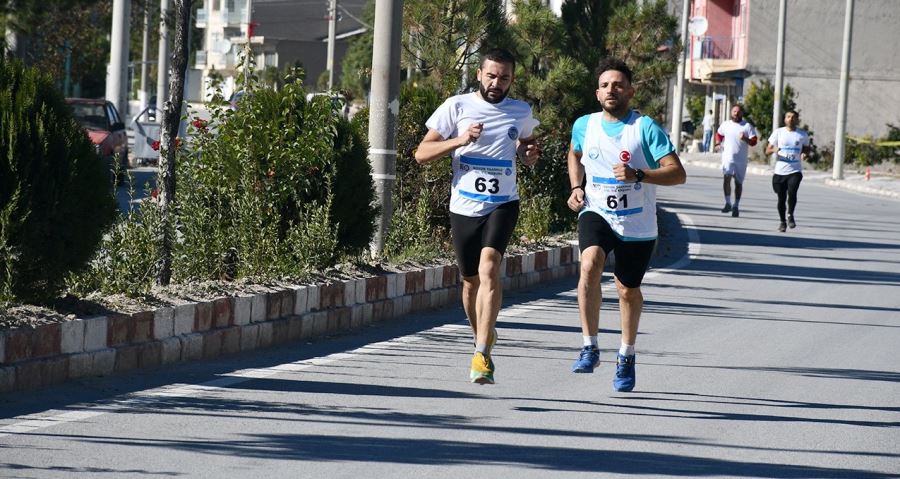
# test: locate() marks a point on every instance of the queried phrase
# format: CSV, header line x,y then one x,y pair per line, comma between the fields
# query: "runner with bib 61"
x,y
616,159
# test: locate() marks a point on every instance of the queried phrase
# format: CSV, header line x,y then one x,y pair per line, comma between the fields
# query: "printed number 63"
x,y
481,185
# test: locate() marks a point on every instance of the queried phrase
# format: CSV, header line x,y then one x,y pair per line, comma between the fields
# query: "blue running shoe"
x,y
625,374
587,361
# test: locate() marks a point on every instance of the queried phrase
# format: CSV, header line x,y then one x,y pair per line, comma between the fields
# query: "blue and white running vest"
x,y
628,207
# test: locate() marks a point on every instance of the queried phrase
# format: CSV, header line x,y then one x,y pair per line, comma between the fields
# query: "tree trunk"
x,y
171,120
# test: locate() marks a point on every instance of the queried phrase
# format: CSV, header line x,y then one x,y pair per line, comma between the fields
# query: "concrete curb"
x,y
99,346
879,186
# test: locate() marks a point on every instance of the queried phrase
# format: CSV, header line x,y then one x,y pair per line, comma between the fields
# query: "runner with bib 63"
x,y
483,132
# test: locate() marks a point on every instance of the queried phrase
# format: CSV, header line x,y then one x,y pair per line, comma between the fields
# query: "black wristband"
x,y
579,187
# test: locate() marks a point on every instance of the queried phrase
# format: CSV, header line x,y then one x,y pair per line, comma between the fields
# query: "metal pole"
x,y
840,132
145,56
162,64
779,72
678,97
332,26
384,110
116,87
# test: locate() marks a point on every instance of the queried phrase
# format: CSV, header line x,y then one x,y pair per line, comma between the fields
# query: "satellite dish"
x,y
698,26
223,46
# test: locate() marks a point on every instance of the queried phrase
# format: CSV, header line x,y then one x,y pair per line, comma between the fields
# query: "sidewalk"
x,y
880,185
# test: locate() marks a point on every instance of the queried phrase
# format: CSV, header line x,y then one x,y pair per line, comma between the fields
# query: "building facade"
x,y
739,46
279,34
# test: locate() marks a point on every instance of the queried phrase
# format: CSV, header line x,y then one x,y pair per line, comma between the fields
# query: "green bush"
x,y
55,200
421,195
126,262
549,180
258,173
275,189
759,102
353,209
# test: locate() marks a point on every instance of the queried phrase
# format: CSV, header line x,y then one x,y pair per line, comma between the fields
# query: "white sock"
x,y
481,348
727,200
590,341
626,349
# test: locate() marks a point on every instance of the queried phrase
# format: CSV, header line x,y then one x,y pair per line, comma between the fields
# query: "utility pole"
x,y
332,26
779,73
840,139
117,80
162,64
145,56
384,110
678,97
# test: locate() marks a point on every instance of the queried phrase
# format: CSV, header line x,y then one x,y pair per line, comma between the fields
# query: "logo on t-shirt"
x,y
637,186
512,133
594,152
624,156
463,167
508,171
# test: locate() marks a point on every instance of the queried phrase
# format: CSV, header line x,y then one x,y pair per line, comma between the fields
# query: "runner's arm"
x,y
528,150
434,146
576,180
670,172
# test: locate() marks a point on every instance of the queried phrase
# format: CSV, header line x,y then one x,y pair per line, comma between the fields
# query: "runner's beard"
x,y
484,94
617,109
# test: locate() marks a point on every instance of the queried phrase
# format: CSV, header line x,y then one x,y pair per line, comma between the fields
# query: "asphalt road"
x,y
131,192
761,355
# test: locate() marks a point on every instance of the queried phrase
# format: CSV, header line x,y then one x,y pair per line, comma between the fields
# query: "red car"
x,y
105,128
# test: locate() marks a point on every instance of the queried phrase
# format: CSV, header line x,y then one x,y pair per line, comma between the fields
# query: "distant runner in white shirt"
x,y
735,137
483,132
790,144
707,130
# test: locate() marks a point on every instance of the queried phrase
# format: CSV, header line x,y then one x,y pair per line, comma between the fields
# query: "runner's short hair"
x,y
499,55
614,64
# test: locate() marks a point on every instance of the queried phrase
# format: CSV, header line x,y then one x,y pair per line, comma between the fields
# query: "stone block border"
x,y
98,346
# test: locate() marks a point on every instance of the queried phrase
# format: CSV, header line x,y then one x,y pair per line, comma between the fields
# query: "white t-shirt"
x,y
484,172
789,145
707,122
733,149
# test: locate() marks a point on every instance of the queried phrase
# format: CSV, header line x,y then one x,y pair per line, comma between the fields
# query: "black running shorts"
x,y
472,233
632,257
787,183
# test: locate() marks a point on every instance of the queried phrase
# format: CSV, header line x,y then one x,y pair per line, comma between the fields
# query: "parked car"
x,y
105,128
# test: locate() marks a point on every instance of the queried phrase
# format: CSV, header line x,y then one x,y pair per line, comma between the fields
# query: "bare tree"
x,y
169,141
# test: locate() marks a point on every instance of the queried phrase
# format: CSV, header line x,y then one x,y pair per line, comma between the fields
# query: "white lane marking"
x,y
32,422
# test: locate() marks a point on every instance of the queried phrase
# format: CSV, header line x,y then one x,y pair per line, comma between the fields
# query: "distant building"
x,y
739,48
280,33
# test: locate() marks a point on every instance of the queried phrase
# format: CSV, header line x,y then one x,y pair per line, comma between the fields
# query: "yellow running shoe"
x,y
482,371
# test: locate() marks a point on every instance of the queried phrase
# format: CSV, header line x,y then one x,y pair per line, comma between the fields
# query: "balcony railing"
x,y
237,17
717,48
